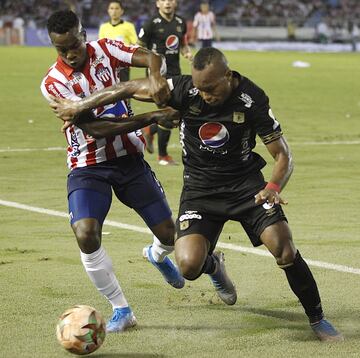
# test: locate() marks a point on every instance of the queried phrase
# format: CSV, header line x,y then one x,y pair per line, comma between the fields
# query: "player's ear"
x,y
83,33
228,74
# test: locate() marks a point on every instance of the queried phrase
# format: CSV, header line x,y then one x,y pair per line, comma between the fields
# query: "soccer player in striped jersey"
x,y
100,162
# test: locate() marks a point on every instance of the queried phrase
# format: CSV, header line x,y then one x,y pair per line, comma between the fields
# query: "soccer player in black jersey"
x,y
221,114
165,34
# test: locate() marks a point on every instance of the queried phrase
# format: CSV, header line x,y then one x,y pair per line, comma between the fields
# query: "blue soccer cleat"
x,y
167,269
122,319
325,331
221,281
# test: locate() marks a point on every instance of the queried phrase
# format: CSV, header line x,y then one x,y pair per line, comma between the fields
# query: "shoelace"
x,y
117,315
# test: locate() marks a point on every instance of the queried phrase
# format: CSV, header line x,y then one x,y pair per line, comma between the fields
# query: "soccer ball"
x,y
81,330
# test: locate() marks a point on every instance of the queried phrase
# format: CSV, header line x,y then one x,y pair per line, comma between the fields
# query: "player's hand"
x,y
159,90
168,118
66,125
269,196
65,109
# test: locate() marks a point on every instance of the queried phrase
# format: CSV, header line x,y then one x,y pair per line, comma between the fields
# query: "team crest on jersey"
x,y
178,28
239,117
103,74
172,42
214,134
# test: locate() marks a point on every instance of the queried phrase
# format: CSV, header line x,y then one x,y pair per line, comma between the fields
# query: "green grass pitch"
x,y
40,270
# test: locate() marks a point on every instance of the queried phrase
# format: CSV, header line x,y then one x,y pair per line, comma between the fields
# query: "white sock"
x,y
160,251
99,268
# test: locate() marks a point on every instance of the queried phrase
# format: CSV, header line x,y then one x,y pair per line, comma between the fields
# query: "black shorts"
x,y
206,215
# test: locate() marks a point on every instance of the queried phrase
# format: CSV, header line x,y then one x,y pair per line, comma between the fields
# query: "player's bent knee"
x,y
88,234
189,266
286,258
165,232
190,271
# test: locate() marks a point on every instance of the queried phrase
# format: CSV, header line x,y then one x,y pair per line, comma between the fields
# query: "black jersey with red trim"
x,y
165,38
218,142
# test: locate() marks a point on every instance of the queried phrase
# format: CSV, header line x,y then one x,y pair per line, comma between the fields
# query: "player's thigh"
x,y
157,216
146,196
88,203
192,223
278,240
256,218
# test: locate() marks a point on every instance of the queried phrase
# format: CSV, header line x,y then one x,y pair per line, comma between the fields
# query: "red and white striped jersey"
x,y
105,58
204,24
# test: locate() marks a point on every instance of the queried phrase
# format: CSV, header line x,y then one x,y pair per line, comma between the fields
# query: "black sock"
x,y
304,286
209,265
153,128
163,140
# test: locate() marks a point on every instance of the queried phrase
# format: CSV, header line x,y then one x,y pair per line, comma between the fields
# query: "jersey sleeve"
x,y
120,54
145,34
179,87
266,125
184,39
51,87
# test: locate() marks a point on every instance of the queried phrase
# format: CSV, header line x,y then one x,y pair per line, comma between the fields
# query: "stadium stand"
x,y
320,20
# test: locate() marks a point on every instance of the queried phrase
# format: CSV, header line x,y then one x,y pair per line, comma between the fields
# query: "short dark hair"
x,y
62,21
206,56
118,2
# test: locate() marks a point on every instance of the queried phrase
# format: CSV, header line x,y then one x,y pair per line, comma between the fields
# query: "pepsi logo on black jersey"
x,y
214,134
172,42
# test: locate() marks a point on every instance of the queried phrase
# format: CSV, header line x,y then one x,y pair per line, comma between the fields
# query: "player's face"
x,y
214,83
71,47
115,11
204,8
166,7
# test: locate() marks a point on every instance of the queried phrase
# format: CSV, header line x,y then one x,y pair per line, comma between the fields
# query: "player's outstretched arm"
x,y
68,110
281,173
100,128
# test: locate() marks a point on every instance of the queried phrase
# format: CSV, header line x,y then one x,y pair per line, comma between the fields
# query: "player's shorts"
x,y
206,215
131,179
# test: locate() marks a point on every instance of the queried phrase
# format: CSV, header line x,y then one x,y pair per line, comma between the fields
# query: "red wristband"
x,y
273,186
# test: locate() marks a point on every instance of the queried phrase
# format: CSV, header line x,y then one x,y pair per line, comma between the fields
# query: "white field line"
x,y
175,145
247,250
50,149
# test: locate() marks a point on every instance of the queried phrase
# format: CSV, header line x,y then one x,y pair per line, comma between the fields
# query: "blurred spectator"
x,y
354,33
308,13
323,32
204,25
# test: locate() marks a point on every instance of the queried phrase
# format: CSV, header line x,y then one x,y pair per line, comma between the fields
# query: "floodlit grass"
x,y
40,270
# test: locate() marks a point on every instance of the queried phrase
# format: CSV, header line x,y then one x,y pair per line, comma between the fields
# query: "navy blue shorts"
x,y
131,179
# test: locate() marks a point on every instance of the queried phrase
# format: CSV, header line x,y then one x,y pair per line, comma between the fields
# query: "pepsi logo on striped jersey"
x,y
214,134
172,42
